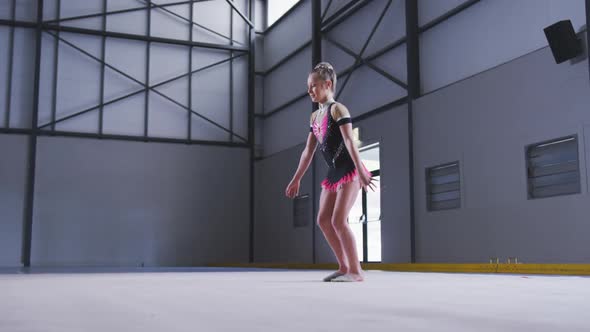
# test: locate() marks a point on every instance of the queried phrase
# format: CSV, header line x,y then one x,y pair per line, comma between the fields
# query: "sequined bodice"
x,y
330,141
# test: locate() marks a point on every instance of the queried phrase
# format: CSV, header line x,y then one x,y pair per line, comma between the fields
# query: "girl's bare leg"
x,y
345,199
327,200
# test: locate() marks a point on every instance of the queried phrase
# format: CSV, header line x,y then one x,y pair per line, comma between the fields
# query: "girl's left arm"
x,y
342,117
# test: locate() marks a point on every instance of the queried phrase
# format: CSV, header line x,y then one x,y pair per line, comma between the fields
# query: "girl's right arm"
x,y
306,155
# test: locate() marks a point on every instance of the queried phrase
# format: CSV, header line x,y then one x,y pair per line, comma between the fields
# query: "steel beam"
x,y
251,123
231,3
316,57
153,39
32,151
151,88
362,61
588,34
349,9
365,45
447,15
10,65
413,63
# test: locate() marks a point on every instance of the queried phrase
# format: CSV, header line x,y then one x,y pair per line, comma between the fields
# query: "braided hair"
x,y
326,72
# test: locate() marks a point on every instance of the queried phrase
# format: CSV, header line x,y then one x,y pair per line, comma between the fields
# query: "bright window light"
x,y
276,9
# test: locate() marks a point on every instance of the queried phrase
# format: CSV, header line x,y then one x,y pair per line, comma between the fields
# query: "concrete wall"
x,y
276,239
485,35
127,203
121,203
13,167
485,122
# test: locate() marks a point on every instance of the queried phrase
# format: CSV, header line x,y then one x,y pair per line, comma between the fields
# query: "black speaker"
x,y
563,41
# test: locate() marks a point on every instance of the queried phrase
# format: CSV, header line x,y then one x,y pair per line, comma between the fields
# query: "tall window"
x,y
365,215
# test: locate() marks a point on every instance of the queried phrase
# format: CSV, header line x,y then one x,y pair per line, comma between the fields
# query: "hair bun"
x,y
324,65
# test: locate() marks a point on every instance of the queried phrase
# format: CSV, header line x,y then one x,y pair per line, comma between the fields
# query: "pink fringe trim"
x,y
349,177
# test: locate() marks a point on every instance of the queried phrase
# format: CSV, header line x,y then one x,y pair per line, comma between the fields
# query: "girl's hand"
x,y
292,189
366,180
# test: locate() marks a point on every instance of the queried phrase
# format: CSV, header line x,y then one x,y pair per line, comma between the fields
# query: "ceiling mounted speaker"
x,y
563,41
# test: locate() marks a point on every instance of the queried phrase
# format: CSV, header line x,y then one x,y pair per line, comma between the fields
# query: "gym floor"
x,y
232,299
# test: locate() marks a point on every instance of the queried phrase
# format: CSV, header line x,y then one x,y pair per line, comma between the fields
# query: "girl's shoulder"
x,y
339,111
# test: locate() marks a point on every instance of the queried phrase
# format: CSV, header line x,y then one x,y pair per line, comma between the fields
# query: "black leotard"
x,y
341,168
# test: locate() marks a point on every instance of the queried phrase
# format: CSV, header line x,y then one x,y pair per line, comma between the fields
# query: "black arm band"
x,y
343,121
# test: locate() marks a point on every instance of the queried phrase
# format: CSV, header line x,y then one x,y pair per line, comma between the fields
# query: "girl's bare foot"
x,y
349,277
333,275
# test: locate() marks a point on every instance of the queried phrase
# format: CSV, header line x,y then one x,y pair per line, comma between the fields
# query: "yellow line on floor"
x,y
551,269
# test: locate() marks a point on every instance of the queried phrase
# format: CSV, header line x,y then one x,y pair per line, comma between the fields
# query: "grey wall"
x,y
486,35
13,165
292,32
485,122
121,203
127,203
275,238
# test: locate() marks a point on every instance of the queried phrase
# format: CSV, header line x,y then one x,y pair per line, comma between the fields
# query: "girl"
x,y
331,127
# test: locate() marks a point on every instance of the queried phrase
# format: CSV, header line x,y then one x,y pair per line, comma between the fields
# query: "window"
x,y
277,8
552,168
364,218
443,187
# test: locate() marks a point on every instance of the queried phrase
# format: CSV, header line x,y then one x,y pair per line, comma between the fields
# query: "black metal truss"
x,y
460,8
588,34
190,79
117,137
145,89
122,11
54,27
341,89
144,38
381,109
190,21
102,71
338,17
323,16
230,2
342,14
147,75
413,67
32,148
316,56
283,106
231,76
286,58
152,5
251,123
10,64
362,61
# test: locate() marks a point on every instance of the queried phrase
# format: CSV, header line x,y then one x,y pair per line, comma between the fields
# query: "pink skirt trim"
x,y
349,177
